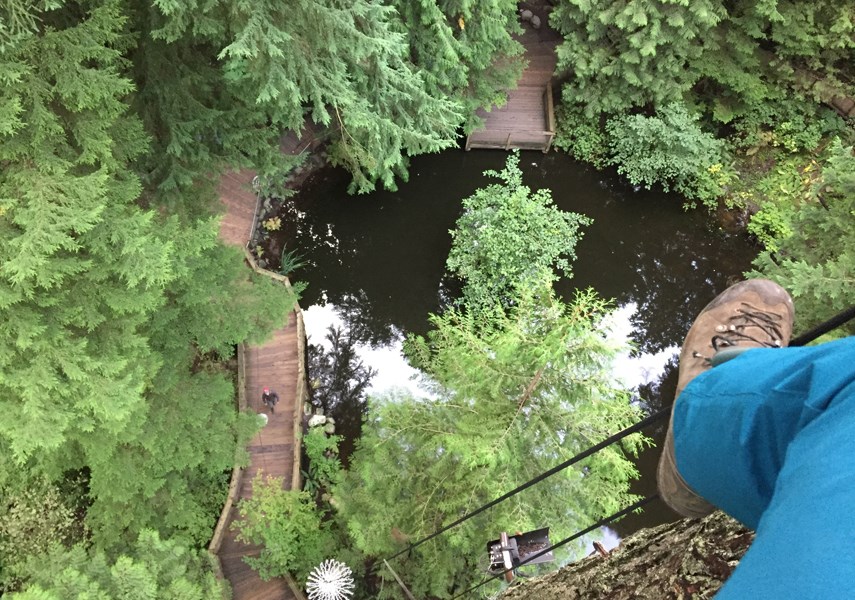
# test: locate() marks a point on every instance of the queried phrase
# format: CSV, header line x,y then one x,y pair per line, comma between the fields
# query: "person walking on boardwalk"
x,y
765,433
269,399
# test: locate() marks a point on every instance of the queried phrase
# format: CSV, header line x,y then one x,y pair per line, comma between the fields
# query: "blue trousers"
x,y
769,437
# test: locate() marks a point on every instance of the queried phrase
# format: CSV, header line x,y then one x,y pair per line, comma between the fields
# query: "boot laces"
x,y
748,318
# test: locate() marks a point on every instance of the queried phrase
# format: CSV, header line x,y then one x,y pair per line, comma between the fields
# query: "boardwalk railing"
x,y
237,476
302,391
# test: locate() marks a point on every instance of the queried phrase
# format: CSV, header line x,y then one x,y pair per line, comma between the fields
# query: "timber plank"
x,y
522,121
273,364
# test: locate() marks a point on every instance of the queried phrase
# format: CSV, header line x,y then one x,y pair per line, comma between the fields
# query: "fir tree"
x,y
343,62
154,568
467,49
110,308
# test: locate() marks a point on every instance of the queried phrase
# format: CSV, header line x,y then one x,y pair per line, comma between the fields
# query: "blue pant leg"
x,y
769,437
733,424
805,544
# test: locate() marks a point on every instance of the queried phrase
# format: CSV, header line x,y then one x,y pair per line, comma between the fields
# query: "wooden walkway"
x,y
527,120
274,364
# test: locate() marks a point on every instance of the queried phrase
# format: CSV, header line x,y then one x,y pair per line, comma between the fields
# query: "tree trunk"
x,y
688,559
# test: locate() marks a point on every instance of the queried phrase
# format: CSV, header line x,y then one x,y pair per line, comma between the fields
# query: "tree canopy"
x,y
117,312
153,568
517,382
750,74
509,239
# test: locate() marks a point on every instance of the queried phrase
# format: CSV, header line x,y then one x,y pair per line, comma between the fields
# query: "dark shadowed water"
x,y
378,261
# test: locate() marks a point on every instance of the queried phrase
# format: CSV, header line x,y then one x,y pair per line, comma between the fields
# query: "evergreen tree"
x,y
111,310
816,262
465,48
652,52
343,61
632,53
519,381
155,568
516,393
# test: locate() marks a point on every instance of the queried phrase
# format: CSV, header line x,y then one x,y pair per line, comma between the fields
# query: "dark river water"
x,y
377,266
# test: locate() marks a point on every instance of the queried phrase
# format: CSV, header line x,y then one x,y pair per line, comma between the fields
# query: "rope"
x,y
661,413
805,338
605,521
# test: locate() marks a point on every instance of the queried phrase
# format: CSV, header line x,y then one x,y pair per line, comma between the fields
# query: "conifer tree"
x,y
110,310
515,394
519,382
153,568
466,49
343,62
624,54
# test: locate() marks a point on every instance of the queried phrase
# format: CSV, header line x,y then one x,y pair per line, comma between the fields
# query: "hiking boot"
x,y
757,313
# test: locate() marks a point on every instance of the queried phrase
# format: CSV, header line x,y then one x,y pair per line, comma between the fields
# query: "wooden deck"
x,y
527,121
274,364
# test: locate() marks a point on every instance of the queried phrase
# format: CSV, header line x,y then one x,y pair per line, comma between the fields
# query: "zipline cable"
x,y
833,323
805,338
560,467
567,540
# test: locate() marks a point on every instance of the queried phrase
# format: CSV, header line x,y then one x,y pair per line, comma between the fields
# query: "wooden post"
x,y
549,137
550,116
508,142
468,142
398,579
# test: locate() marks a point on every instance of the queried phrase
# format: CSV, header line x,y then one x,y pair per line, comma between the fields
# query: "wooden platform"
x,y
274,364
527,120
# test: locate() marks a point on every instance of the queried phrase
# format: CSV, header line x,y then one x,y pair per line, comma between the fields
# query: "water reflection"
x,y
378,266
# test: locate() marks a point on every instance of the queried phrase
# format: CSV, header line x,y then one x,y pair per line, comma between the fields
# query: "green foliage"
x,y
509,239
466,49
519,382
155,568
771,224
325,471
624,54
345,61
582,136
33,518
785,123
816,263
288,527
108,305
290,261
759,68
668,148
516,392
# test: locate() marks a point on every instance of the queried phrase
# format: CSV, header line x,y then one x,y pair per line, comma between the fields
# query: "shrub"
x,y
287,526
669,149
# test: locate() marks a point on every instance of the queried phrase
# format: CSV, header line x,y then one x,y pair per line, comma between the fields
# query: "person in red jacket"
x,y
269,399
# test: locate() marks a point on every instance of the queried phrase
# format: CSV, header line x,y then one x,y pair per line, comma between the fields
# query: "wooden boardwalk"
x,y
274,364
527,120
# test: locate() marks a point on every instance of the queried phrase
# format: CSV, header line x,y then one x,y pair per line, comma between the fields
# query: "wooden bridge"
x,y
280,365
527,121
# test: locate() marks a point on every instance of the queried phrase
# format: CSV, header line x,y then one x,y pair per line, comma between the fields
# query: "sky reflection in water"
x,y
378,267
631,369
